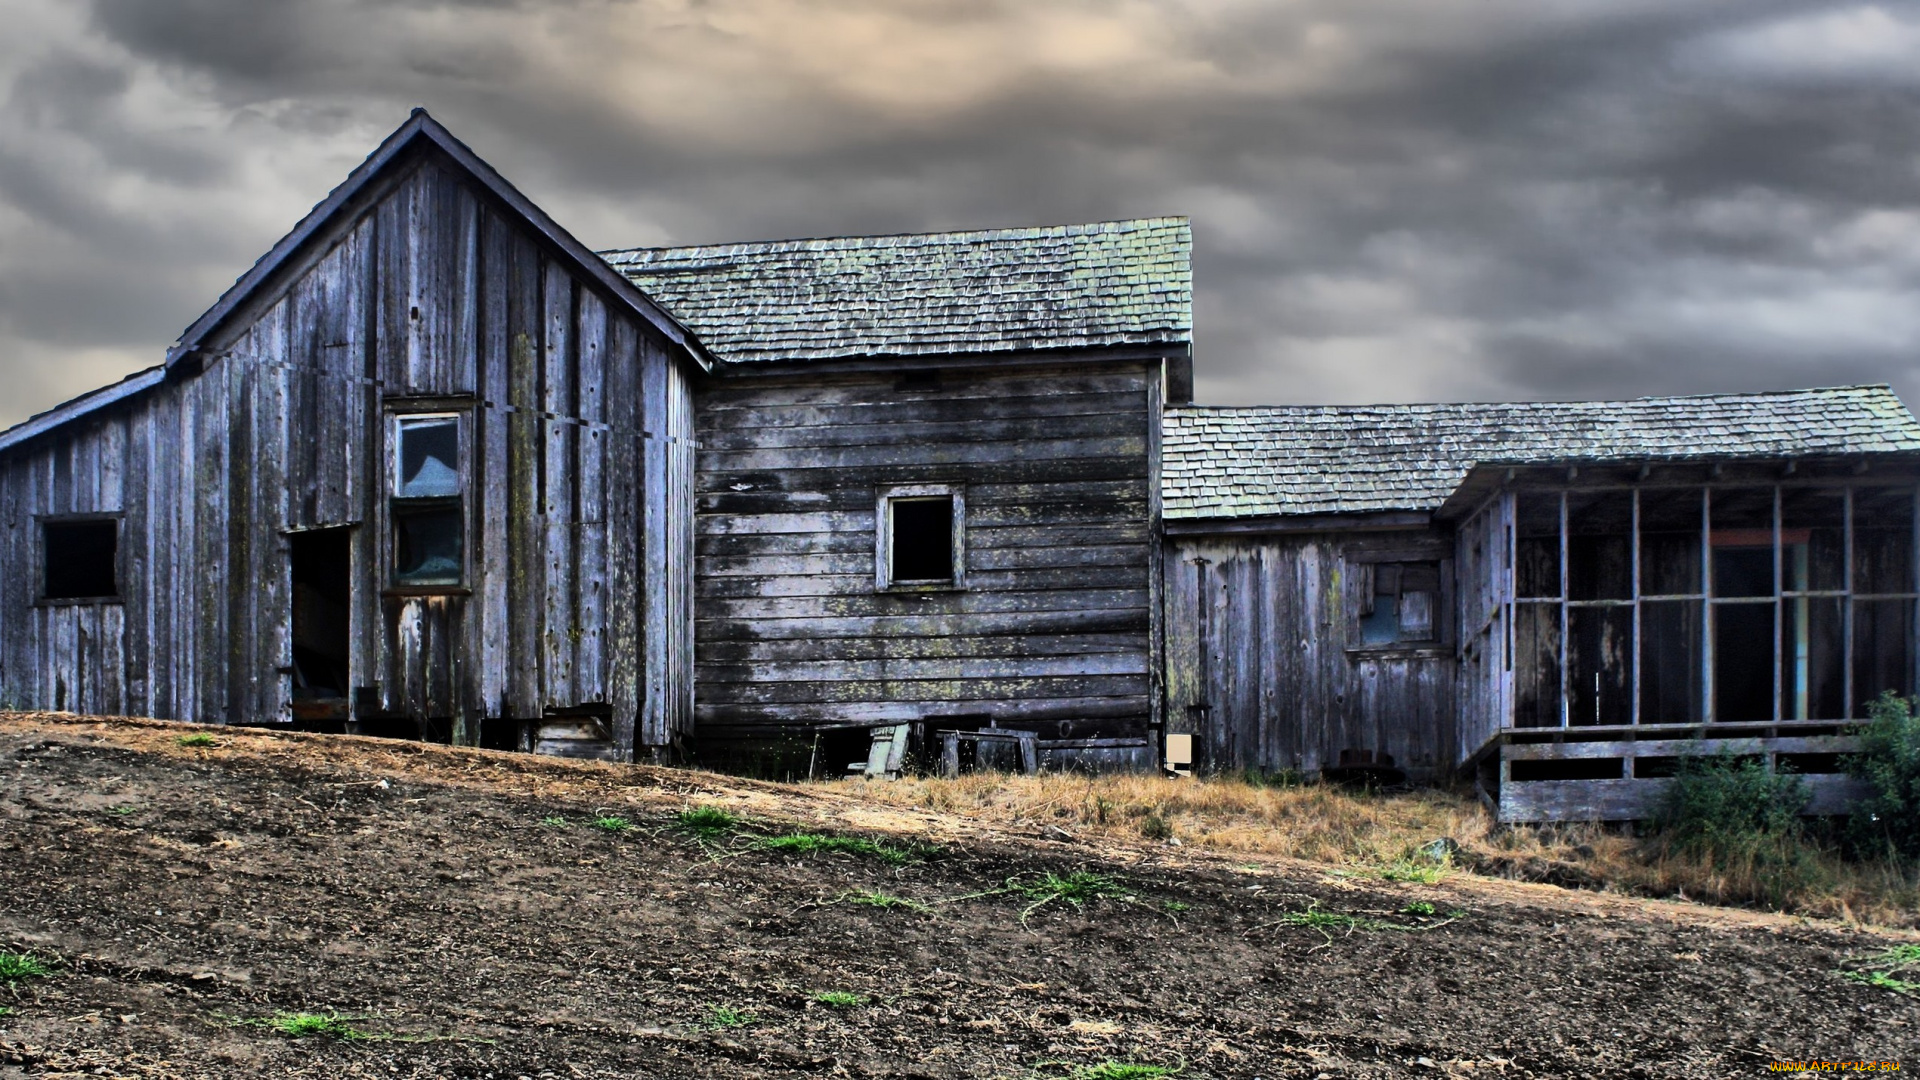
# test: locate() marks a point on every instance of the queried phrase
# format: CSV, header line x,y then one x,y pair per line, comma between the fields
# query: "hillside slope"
x,y
461,908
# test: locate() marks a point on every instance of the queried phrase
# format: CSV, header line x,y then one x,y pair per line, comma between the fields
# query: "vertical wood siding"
x,y
1258,668
1054,624
1485,582
576,513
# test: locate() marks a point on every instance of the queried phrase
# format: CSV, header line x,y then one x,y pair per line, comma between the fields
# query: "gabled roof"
x,y
995,290
1261,461
422,129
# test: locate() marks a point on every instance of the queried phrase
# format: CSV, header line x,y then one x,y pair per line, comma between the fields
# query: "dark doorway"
x,y
322,599
1743,662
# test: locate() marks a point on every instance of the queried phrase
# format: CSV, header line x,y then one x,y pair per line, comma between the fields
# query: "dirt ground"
x,y
433,898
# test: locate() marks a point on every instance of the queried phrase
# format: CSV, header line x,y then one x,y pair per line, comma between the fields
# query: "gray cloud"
x,y
1393,199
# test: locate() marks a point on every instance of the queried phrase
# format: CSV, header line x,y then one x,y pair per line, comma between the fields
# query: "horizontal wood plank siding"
x,y
1053,628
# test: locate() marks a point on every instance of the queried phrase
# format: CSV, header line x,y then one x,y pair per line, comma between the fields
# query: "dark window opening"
x,y
1567,769
1600,545
1812,658
81,558
922,540
1537,544
1883,530
1670,542
1810,764
428,543
1403,605
1600,665
1743,662
1882,650
1536,665
1742,542
1670,656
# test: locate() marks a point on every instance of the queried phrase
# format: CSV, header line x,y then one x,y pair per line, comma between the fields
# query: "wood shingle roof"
x,y
998,290
1262,461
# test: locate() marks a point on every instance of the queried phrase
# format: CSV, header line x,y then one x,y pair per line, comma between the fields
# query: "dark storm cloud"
x,y
1392,199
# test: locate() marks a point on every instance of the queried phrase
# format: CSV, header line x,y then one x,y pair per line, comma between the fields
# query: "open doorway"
x,y
322,598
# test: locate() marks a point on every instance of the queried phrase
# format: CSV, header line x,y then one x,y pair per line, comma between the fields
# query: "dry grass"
x,y
1391,837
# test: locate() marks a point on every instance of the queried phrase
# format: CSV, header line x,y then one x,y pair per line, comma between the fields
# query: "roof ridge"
x,y
1746,395
1012,232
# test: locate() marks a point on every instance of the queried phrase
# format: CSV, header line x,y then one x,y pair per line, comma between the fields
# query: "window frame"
x,y
41,521
1363,565
884,498
398,414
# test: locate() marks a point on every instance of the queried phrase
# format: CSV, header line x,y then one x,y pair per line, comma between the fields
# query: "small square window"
x,y
921,537
81,559
1403,605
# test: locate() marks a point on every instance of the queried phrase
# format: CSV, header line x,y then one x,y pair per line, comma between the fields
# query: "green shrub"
x,y
1719,803
1887,822
1740,822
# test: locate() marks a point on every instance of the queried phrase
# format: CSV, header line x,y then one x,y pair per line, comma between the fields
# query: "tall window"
x,y
1727,603
428,512
921,537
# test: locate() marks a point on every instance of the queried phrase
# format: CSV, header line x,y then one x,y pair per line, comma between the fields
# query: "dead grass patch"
x,y
1393,837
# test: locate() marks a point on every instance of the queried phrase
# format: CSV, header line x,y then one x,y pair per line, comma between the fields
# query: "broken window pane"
x,y
1743,542
1742,662
1813,539
1812,667
1670,659
1537,545
1882,650
1600,665
1600,545
1401,605
1536,665
80,559
1883,540
428,544
427,457
1416,616
922,540
1670,542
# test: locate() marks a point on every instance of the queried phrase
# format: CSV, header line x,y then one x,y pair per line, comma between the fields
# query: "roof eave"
x,y
1484,477
84,405
1354,521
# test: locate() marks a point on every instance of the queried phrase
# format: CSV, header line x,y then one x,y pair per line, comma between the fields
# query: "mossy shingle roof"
x,y
1326,459
997,290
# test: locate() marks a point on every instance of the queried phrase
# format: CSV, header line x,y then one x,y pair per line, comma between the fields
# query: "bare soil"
x,y
429,896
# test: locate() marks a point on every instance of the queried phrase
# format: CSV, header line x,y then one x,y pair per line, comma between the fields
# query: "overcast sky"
x,y
1393,200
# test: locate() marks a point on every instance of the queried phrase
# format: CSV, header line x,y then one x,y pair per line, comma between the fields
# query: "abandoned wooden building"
x,y
433,467
1560,598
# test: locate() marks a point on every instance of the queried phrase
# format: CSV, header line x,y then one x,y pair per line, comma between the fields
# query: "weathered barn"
x,y
427,461
432,467
1559,597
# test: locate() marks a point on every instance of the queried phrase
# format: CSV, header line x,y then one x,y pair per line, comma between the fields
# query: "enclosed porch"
x,y
1616,620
